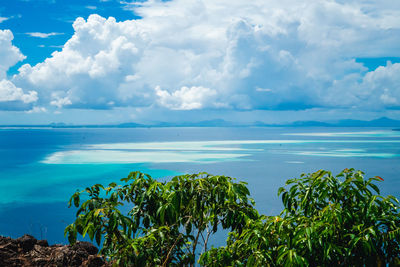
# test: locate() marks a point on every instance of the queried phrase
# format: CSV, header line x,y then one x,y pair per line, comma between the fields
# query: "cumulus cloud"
x,y
11,96
9,54
9,92
186,98
384,82
60,101
374,90
234,54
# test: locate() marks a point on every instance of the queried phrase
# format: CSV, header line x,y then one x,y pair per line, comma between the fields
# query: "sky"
x,y
275,61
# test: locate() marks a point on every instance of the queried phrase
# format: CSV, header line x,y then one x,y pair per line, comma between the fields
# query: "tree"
x,y
144,222
326,221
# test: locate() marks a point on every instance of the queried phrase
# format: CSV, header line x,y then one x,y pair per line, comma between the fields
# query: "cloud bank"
x,y
231,55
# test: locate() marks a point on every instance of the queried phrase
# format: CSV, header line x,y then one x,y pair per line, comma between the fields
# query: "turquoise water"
x,y
41,168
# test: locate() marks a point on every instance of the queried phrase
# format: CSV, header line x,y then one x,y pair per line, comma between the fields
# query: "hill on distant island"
x,y
381,122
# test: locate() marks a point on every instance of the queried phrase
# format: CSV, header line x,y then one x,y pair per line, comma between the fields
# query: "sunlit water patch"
x,y
345,153
349,134
120,156
162,152
202,151
182,146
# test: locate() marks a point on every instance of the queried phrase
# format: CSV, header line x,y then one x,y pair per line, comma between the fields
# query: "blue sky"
x,y
107,61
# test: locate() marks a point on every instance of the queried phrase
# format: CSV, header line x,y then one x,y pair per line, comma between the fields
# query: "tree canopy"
x,y
145,222
326,221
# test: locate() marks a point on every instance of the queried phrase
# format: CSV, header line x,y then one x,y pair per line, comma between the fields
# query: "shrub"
x,y
326,221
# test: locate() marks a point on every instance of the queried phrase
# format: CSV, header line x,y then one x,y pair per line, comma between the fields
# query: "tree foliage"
x,y
326,221
144,222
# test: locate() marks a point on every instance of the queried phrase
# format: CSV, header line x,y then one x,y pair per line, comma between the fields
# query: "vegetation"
x,y
165,222
326,221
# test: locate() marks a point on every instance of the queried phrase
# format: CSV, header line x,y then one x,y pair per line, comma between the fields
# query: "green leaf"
x,y
76,200
98,237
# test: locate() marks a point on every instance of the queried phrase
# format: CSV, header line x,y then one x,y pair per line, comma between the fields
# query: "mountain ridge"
x,y
380,122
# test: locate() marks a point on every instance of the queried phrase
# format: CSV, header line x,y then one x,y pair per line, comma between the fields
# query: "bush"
x,y
326,221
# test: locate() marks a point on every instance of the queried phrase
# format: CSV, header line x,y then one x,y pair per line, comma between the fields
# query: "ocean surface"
x,y
41,168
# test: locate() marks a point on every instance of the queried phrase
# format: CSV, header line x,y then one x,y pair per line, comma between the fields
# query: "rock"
x,y
94,261
4,240
12,246
5,256
43,243
88,247
27,251
27,242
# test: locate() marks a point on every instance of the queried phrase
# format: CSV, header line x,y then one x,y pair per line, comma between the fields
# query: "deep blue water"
x,y
41,168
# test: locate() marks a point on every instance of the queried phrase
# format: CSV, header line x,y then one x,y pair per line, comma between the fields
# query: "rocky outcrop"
x,y
28,251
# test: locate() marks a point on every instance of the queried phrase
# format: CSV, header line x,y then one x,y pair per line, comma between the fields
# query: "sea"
x,y
40,168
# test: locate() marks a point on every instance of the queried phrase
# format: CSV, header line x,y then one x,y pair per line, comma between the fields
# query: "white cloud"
x,y
387,99
234,54
91,7
9,54
59,101
2,19
186,98
42,34
9,92
375,90
383,84
258,89
37,110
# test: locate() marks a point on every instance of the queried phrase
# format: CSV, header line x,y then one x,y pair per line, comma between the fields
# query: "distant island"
x,y
381,122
